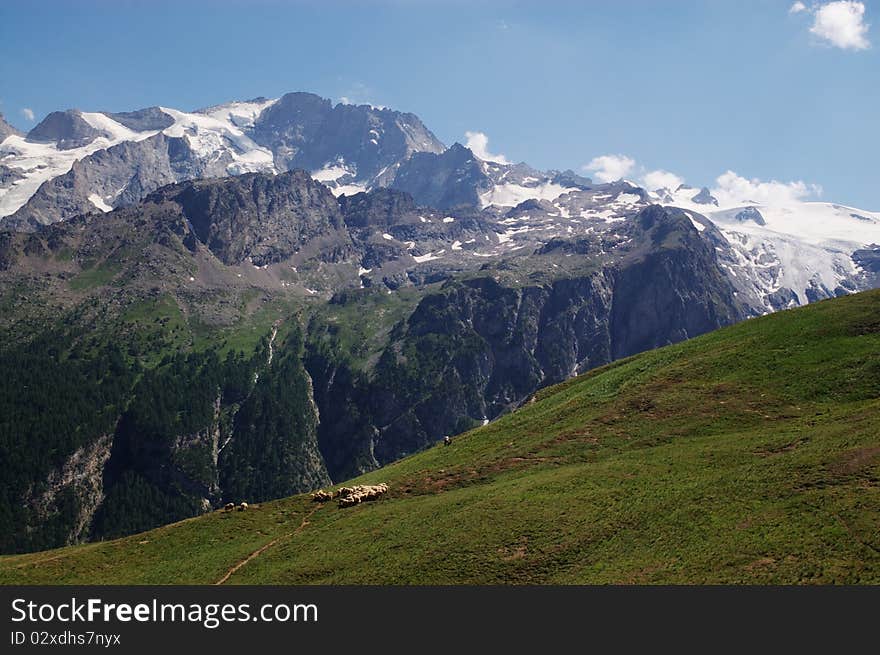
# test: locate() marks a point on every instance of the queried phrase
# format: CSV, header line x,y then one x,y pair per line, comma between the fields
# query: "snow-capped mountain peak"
x,y
72,158
793,252
777,252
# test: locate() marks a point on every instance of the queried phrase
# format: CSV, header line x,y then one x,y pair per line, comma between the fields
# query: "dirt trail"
x,y
263,549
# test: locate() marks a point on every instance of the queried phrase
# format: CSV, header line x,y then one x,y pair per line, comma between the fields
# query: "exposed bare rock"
x,y
82,477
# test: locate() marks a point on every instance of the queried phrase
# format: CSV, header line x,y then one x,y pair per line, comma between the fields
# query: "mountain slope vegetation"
x,y
748,455
162,320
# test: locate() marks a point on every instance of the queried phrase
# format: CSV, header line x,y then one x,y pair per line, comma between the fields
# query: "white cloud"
x,y
732,189
840,24
478,143
28,113
609,168
653,180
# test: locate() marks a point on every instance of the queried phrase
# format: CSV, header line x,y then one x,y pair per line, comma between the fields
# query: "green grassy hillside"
x,y
749,455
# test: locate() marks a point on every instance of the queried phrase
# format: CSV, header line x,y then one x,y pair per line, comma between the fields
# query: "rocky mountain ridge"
x,y
74,161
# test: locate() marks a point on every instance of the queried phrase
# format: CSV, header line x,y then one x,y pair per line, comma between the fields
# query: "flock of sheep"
x,y
349,496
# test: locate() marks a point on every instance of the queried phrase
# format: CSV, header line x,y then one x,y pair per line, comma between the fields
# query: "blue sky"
x,y
693,88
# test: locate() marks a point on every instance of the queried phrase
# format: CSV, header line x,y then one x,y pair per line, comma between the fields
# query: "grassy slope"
x,y
751,454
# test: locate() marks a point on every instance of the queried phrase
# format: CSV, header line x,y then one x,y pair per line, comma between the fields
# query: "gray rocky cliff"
x,y
6,129
306,131
450,179
66,129
118,176
72,493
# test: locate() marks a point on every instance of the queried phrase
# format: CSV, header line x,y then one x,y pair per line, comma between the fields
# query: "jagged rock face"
x,y
457,178
257,218
670,290
8,175
67,129
868,260
705,197
346,435
306,131
76,485
479,346
752,214
451,179
528,206
6,130
150,118
119,176
151,147
568,178
377,209
8,250
499,345
291,123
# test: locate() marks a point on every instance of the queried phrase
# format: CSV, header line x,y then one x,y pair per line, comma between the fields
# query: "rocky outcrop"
x,y
306,131
197,454
118,176
8,176
71,494
381,208
257,218
453,178
6,130
142,120
66,129
705,197
752,214
670,287
568,178
867,259
346,433
479,348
